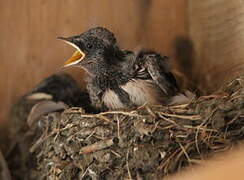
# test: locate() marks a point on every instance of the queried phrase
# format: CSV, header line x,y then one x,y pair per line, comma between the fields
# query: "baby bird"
x,y
118,78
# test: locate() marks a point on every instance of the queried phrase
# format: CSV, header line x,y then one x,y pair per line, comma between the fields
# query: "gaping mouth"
x,y
76,57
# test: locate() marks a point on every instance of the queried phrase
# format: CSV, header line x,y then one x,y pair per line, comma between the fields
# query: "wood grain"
x,y
224,166
216,28
29,50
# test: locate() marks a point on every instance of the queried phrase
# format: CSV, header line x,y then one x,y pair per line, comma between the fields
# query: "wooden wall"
x,y
29,50
216,28
205,39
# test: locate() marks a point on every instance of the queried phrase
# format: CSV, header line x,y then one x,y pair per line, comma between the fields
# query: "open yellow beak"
x,y
75,58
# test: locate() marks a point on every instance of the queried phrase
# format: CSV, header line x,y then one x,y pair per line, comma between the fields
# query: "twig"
x,y
178,110
166,163
121,112
149,110
104,118
169,120
93,132
117,154
184,151
179,106
118,126
100,115
96,116
83,175
200,128
142,106
193,117
196,139
99,146
60,130
127,164
166,127
41,140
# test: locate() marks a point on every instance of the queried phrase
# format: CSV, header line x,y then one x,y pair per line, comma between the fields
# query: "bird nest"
x,y
149,142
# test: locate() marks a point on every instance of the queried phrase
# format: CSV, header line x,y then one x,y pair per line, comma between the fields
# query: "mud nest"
x,y
146,143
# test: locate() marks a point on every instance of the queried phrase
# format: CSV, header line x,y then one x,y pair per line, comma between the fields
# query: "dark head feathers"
x,y
102,34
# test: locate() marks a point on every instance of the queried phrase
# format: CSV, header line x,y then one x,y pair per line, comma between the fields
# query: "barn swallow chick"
x,y
120,79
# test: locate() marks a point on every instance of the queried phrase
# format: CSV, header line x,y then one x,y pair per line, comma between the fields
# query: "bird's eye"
x,y
89,45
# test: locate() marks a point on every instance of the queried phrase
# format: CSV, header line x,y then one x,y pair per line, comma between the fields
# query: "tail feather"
x,y
182,98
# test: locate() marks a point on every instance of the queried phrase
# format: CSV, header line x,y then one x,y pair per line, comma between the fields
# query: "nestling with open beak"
x,y
117,78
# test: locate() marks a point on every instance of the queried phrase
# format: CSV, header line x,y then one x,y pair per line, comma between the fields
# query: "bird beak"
x,y
77,56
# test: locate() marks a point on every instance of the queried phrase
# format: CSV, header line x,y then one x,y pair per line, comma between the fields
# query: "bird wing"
x,y
158,69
